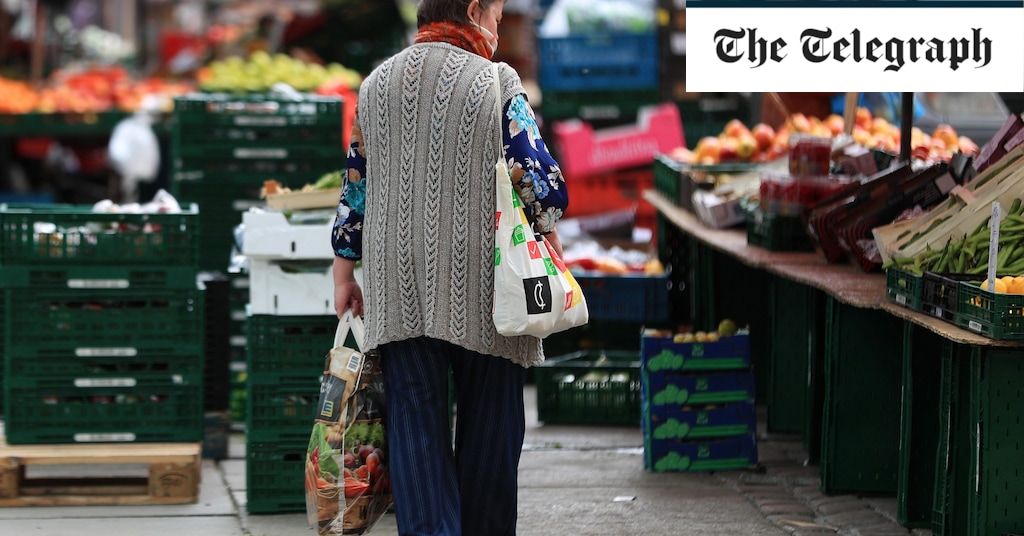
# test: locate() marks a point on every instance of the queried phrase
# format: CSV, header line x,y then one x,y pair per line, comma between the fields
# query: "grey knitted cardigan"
x,y
430,134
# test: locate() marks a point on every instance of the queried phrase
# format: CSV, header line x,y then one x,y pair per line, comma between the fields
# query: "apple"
x,y
729,150
946,133
835,123
967,146
863,118
746,146
708,147
880,126
735,128
800,123
764,135
682,154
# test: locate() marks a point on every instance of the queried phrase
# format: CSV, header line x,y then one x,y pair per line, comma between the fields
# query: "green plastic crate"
x,y
179,365
238,397
903,287
75,235
282,410
257,110
62,123
206,154
274,476
87,323
793,315
994,315
861,425
776,232
667,177
107,414
91,278
993,434
589,388
953,458
292,345
919,425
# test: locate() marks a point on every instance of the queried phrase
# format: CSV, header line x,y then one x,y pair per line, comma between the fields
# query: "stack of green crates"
x,y
225,146
238,298
104,342
285,362
697,403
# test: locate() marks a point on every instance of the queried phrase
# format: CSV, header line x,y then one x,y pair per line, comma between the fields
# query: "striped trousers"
x,y
440,490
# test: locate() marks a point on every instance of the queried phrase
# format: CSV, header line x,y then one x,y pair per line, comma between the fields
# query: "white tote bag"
x,y
534,293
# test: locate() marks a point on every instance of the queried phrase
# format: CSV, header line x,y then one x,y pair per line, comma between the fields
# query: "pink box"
x,y
583,151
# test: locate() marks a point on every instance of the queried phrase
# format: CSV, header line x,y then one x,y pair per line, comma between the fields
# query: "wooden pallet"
x,y
72,477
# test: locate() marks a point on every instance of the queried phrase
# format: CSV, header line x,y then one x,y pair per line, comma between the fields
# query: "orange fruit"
x,y
1000,286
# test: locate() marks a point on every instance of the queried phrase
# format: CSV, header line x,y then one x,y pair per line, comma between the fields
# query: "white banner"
x,y
854,49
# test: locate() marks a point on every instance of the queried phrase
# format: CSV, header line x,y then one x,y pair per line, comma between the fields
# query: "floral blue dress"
x,y
535,173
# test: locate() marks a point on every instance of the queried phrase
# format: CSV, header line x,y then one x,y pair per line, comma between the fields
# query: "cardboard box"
x,y
304,200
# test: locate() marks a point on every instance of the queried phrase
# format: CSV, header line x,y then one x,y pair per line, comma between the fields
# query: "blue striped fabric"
x,y
440,491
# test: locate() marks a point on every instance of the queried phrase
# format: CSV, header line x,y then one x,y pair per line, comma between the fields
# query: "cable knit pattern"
x,y
430,140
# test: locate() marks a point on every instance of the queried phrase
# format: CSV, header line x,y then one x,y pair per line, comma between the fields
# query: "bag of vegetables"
x,y
348,487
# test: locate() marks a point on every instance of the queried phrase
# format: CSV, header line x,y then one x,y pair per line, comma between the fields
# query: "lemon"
x,y
727,327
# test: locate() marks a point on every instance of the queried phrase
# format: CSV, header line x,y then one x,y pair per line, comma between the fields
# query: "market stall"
x,y
948,336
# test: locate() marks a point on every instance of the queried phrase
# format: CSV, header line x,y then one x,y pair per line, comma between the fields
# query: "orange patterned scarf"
x,y
464,36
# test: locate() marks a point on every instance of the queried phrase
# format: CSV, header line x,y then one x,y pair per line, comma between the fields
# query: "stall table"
x,y
888,400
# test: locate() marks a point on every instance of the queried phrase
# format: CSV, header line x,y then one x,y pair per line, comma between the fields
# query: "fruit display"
x,y
736,143
261,71
726,328
19,97
88,90
764,143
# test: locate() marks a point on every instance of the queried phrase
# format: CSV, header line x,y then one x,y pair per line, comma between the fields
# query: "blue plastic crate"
x,y
693,422
602,61
626,298
658,353
674,388
663,455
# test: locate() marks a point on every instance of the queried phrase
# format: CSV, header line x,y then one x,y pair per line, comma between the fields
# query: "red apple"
x,y
764,135
728,150
735,128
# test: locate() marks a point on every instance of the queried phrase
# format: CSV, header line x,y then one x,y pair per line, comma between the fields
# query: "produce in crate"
x,y
970,254
261,71
959,216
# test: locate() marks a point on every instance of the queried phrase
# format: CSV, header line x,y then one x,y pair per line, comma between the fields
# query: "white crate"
x,y
269,235
276,289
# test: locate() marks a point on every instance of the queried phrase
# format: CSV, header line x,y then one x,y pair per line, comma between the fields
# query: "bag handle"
x,y
501,142
346,322
497,108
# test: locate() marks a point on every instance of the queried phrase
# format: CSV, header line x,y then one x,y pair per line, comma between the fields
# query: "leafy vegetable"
x,y
328,181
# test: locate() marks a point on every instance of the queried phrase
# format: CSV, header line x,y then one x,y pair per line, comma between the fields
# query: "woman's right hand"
x,y
348,295
347,292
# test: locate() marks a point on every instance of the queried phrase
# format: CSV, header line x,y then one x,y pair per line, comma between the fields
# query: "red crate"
x,y
584,151
612,192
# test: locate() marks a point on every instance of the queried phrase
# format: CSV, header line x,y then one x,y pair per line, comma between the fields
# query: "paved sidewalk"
x,y
574,481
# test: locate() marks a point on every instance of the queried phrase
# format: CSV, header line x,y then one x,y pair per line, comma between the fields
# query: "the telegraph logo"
x,y
538,295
